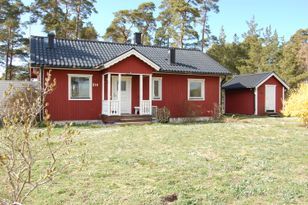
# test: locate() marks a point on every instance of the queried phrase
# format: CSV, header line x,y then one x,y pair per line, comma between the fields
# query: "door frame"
x,y
129,78
274,99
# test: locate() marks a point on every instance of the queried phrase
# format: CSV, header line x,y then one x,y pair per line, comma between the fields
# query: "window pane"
x,y
123,85
156,89
195,89
80,87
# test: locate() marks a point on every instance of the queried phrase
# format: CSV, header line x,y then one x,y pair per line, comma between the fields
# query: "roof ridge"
x,y
251,74
117,43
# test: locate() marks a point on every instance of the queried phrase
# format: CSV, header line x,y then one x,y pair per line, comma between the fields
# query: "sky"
x,y
286,16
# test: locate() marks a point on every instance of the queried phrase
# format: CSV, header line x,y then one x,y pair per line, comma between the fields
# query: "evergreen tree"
x,y
51,15
292,65
271,51
206,6
88,32
120,27
11,36
65,17
252,44
141,19
144,21
227,54
82,10
183,15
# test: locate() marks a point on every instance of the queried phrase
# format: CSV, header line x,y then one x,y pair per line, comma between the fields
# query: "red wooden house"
x,y
108,80
255,94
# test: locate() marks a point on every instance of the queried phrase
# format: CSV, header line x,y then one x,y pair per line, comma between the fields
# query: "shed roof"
x,y
250,80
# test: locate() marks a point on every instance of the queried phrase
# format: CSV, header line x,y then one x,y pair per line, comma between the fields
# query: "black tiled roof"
x,y
86,54
246,81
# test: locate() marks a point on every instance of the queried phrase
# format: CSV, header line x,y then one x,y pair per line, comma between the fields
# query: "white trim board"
x,y
69,86
277,77
160,85
198,80
128,54
256,100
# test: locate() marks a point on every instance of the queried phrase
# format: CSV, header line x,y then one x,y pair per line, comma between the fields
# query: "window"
x,y
80,87
157,88
195,89
123,85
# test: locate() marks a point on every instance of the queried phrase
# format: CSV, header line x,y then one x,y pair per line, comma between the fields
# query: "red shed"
x,y
258,94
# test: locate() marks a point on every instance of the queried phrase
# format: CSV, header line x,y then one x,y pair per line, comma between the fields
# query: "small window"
x,y
80,87
195,89
123,85
157,88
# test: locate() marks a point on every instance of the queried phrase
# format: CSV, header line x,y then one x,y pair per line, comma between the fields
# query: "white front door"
x,y
270,98
126,93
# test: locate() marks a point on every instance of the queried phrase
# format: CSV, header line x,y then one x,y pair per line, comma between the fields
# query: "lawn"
x,y
247,161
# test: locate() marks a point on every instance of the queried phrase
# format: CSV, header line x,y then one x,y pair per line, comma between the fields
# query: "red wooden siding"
x,y
174,93
131,64
240,101
261,95
60,108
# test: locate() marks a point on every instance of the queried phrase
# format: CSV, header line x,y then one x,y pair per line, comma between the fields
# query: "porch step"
x,y
273,114
126,119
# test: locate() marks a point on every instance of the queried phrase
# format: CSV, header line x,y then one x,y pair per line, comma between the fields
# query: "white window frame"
x,y
160,91
202,81
69,86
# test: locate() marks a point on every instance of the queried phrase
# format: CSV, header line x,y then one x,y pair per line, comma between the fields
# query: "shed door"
x,y
270,98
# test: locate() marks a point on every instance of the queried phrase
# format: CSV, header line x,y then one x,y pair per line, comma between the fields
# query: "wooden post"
x,y
150,93
119,93
140,94
103,91
108,92
256,101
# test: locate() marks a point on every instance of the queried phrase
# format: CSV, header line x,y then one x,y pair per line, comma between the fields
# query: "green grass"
x,y
249,161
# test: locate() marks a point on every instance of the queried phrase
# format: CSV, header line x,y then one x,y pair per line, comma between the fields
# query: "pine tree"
x,y
88,32
65,17
271,51
11,35
144,20
206,6
252,44
227,54
292,65
120,27
183,15
141,19
82,10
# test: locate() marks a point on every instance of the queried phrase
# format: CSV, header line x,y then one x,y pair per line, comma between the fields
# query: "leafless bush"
x,y
163,115
217,112
29,158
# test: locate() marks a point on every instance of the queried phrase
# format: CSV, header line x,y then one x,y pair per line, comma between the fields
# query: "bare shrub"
x,y
29,158
28,95
231,119
163,115
217,112
192,110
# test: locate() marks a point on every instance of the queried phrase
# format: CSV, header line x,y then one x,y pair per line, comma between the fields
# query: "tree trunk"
x,y
11,63
8,53
203,32
77,19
